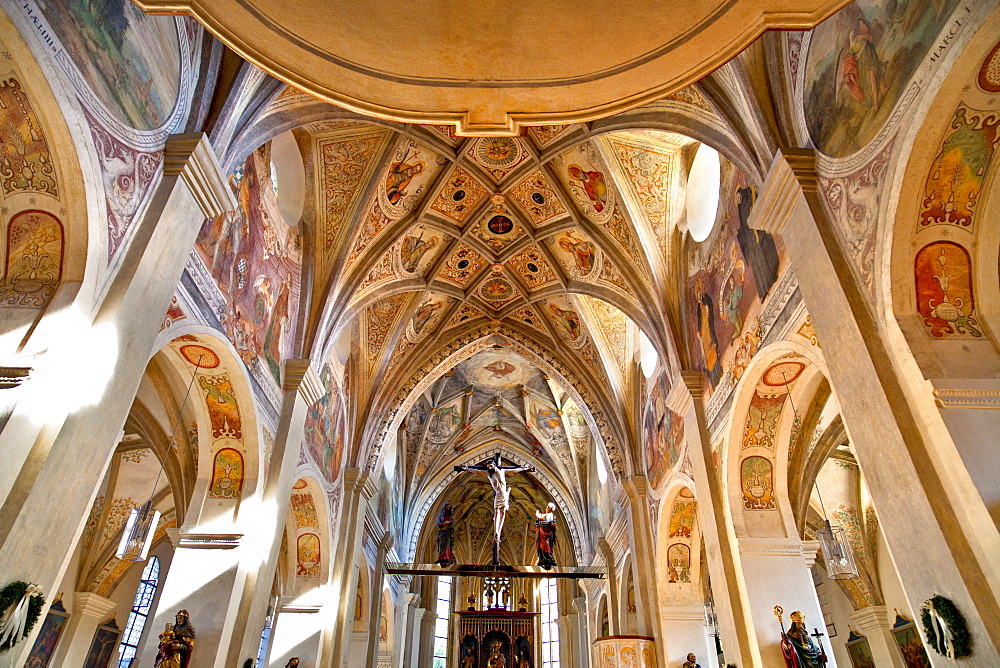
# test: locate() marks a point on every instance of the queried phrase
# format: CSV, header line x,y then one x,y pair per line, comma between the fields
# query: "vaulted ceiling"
x,y
558,240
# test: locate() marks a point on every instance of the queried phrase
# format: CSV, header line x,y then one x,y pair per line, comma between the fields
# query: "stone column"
x,y
644,574
358,489
302,388
612,600
873,623
409,627
427,637
54,463
939,532
777,572
721,551
298,631
88,612
581,647
375,609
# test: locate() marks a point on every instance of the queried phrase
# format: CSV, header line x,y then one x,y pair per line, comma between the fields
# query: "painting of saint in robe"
x,y
414,249
548,420
732,295
569,320
860,70
424,313
593,184
757,246
399,177
582,252
706,336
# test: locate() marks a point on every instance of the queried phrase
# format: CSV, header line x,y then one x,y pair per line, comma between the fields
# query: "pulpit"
x,y
496,638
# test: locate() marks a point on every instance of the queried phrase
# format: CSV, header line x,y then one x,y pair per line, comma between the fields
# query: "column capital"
x,y
681,396
300,376
694,381
873,618
792,173
191,157
92,605
810,550
411,599
355,480
636,487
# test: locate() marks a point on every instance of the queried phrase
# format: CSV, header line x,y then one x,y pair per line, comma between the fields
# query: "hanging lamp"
x,y
137,537
833,541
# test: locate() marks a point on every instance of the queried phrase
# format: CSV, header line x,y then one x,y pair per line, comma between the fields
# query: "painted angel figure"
x,y
497,474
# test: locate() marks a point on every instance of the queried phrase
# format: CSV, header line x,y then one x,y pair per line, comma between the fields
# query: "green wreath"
x,y
961,641
10,595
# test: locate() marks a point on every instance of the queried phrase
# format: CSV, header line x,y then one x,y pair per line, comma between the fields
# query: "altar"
x,y
496,638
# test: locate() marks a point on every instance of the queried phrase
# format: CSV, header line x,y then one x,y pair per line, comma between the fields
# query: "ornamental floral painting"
x,y
34,260
943,275
227,475
757,482
859,64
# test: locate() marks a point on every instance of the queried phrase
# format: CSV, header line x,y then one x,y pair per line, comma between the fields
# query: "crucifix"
x,y
497,474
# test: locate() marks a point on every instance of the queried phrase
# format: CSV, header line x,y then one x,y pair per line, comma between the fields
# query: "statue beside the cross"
x,y
497,474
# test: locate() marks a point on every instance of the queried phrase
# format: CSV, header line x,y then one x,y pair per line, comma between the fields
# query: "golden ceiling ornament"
x,y
427,63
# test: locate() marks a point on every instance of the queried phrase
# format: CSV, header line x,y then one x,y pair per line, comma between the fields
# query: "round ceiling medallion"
x,y
556,62
782,373
500,224
497,290
497,152
200,356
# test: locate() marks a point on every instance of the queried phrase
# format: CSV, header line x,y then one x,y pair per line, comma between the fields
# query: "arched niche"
x,y
229,445
307,527
765,419
678,546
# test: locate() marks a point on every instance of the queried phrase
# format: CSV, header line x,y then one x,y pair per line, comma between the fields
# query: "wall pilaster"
x,y
939,533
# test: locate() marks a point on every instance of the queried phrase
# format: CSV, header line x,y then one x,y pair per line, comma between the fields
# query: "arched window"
x,y
443,619
549,607
129,645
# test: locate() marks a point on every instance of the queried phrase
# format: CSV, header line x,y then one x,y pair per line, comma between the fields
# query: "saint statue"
x,y
446,537
692,661
293,662
497,659
497,474
798,647
468,657
545,536
176,643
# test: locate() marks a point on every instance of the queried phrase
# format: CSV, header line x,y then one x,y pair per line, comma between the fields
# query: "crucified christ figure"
x,y
497,474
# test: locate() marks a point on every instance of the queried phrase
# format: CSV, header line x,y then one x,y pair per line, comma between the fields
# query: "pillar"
x,y
409,628
721,550
298,631
62,454
873,623
427,637
301,388
643,560
88,612
375,609
358,488
581,648
938,531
